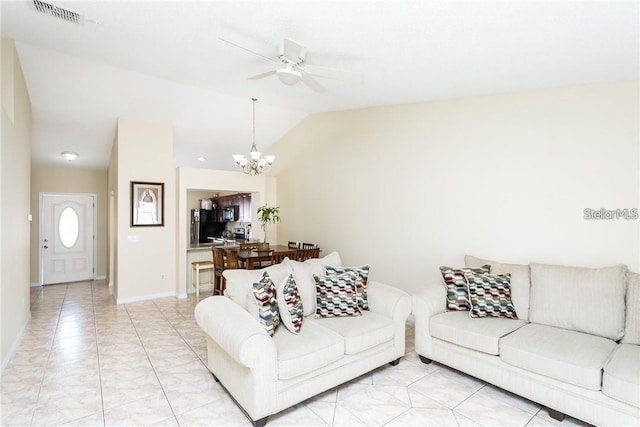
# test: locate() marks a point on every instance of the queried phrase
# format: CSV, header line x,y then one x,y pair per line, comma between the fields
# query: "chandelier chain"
x,y
255,164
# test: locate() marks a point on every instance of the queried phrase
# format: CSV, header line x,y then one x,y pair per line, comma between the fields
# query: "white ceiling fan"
x,y
292,68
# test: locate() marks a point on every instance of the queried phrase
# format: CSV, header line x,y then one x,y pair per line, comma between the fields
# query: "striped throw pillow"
x,y
264,292
290,304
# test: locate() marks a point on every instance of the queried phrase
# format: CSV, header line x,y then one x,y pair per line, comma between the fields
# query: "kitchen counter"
x,y
209,246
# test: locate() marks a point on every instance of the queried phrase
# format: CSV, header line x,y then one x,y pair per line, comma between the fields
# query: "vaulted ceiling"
x,y
164,62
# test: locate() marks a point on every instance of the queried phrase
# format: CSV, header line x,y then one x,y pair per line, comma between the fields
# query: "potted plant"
x,y
268,215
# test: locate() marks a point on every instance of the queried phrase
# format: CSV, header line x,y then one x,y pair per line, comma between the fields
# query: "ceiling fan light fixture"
x,y
288,76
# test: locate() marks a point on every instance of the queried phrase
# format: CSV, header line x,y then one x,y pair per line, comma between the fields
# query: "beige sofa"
x,y
574,349
265,374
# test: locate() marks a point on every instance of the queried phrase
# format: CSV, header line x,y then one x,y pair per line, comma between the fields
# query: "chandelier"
x,y
255,164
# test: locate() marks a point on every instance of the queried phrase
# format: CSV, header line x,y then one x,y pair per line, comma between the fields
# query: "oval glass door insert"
x,y
68,227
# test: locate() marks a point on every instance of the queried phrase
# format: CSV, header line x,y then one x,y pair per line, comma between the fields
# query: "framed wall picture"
x,y
147,204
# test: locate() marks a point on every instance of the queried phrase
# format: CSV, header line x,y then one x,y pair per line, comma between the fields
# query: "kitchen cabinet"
x,y
242,200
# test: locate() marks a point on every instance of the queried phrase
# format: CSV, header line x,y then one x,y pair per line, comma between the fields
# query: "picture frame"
x,y
147,204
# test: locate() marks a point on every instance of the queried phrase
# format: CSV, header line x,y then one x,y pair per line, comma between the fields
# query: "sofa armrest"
x,y
236,331
388,300
427,302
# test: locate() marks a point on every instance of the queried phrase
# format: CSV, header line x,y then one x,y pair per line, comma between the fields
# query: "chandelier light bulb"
x,y
255,155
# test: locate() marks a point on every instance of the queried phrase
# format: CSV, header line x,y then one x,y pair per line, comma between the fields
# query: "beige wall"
x,y
112,219
145,255
409,188
15,183
51,180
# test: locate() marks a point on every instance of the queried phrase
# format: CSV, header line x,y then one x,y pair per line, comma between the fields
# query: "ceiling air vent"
x,y
57,11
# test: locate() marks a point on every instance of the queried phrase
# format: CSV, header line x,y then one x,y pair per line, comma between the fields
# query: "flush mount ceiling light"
x,y
255,164
69,155
201,159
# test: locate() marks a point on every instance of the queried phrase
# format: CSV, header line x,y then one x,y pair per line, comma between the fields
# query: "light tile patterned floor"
x,y
86,361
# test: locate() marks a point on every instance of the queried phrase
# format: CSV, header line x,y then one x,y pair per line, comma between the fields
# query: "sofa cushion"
x,y
290,304
632,319
490,296
264,292
313,348
304,271
568,356
239,282
589,300
336,295
621,378
361,282
361,332
456,285
520,283
482,335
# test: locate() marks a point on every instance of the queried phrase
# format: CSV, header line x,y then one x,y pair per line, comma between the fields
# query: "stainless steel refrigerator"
x,y
205,224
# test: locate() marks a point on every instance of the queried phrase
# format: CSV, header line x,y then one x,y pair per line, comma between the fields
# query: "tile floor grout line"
x,y
180,335
46,364
155,372
95,328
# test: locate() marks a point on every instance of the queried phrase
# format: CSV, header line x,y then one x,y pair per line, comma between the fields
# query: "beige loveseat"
x,y
266,374
575,347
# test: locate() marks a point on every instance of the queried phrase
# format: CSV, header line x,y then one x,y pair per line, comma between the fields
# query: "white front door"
x,y
66,237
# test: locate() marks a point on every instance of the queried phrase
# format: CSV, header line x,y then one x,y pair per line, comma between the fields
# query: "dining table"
x,y
252,258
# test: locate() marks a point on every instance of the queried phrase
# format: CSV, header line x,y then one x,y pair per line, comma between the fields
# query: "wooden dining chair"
x,y
315,252
277,258
294,245
305,254
309,245
231,259
218,267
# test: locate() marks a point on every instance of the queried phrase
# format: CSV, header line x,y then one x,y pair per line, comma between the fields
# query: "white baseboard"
x,y
145,297
35,285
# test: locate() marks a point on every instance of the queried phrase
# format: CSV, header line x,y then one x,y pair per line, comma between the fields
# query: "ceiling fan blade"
x,y
248,50
293,51
312,83
334,73
263,75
